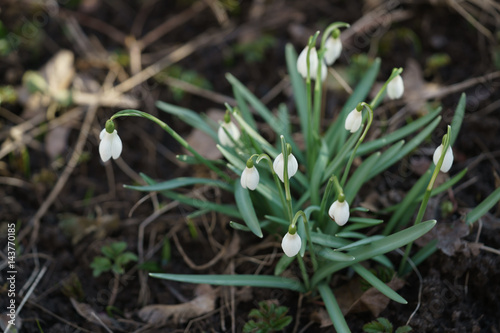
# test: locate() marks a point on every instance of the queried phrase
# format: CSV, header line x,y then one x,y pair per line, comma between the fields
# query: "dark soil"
x,y
460,292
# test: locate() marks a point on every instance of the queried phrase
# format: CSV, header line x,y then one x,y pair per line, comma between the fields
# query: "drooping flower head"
x,y
111,144
333,46
313,64
278,166
227,126
250,176
354,118
291,242
339,211
395,88
448,158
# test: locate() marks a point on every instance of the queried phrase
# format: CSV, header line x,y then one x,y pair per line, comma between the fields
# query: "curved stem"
x,y
376,100
277,182
351,158
177,137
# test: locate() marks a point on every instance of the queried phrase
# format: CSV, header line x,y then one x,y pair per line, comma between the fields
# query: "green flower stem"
x,y
177,137
301,213
427,195
303,270
277,181
326,198
351,159
329,30
286,180
310,151
378,97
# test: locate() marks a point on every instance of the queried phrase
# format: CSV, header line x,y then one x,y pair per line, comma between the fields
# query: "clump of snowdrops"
x,y
308,196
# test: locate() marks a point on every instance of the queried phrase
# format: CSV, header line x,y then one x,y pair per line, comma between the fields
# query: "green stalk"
x,y
277,181
308,236
177,137
351,159
378,97
427,195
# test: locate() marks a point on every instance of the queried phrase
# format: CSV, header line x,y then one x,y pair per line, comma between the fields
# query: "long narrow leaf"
x,y
333,309
358,178
456,122
378,284
299,88
376,248
247,211
181,182
264,281
483,207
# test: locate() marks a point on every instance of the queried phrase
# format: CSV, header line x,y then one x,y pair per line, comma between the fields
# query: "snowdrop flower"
x,y
333,47
110,145
278,166
291,243
395,88
231,128
313,63
448,158
353,120
339,211
250,176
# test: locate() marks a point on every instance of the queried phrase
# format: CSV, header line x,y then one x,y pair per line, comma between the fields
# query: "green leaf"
x,y
363,241
399,134
357,179
376,248
333,309
245,206
336,133
100,265
328,240
189,117
456,122
483,208
329,254
299,88
317,174
283,264
125,258
404,329
181,182
378,284
265,281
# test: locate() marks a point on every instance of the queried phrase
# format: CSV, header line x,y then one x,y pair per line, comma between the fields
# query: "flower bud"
x,y
278,166
339,212
353,121
333,50
291,244
233,131
448,158
395,88
313,64
250,178
110,145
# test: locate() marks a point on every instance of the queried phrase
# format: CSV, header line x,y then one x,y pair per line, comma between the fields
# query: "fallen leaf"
x,y
87,312
158,314
202,142
56,141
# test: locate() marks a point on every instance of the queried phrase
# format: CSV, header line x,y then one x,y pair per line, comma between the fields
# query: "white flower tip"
x,y
233,131
353,121
448,158
291,244
279,169
339,212
395,88
250,178
110,145
333,50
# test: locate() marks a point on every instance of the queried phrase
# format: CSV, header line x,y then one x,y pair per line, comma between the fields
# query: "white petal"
x,y
333,49
448,158
293,166
395,88
313,63
116,145
105,147
291,244
339,212
250,178
278,166
101,135
353,121
232,129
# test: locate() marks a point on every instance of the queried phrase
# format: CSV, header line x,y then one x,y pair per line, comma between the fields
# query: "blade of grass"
x,y
181,182
483,207
378,284
333,308
245,206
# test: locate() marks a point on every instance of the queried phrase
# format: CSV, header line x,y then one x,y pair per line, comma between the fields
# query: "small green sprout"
x,y
383,325
267,318
115,259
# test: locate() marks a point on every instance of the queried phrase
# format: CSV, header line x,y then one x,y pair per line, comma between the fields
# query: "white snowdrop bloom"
x,y
110,145
250,178
395,88
353,121
291,244
278,166
313,63
232,129
339,212
448,158
333,50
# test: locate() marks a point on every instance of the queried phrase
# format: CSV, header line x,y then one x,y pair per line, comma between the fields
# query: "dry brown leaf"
x,y
158,314
56,141
202,142
87,312
352,299
77,227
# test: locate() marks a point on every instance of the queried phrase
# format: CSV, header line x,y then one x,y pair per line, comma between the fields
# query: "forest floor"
x,y
66,204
